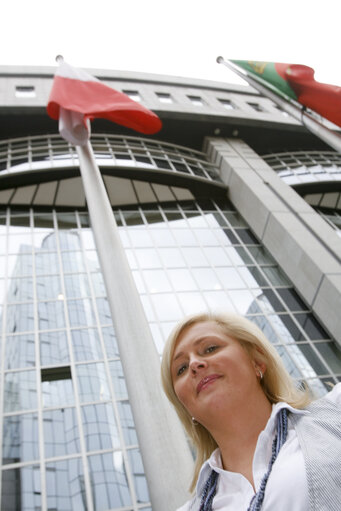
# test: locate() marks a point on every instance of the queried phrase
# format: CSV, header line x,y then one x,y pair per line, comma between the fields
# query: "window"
x,y
257,107
133,94
164,97
227,104
25,91
196,100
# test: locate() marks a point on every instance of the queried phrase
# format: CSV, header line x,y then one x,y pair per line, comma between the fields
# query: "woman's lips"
x,y
207,381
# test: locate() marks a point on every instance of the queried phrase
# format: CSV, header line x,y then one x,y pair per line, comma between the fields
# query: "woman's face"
x,y
212,371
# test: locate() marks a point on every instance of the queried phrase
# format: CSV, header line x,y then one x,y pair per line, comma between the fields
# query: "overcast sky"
x,y
177,37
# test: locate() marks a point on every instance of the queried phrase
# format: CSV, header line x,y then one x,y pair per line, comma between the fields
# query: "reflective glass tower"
x,y
231,207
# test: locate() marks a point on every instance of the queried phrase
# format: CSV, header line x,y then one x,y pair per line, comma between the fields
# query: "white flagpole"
x,y
298,112
166,455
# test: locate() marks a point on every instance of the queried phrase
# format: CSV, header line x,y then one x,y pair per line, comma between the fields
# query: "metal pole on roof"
x,y
297,112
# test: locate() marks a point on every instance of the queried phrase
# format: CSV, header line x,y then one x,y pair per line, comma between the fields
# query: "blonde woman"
x,y
260,442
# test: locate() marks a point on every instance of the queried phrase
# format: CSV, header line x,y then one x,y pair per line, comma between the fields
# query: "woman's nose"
x,y
197,364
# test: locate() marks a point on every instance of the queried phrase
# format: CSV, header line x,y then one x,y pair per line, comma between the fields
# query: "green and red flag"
x,y
297,82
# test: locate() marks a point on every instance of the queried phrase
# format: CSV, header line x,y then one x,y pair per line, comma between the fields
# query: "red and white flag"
x,y
77,97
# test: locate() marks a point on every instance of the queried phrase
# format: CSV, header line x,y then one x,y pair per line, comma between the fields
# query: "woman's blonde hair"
x,y
277,383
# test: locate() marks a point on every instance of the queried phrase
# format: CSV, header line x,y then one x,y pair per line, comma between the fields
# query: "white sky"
x,y
177,37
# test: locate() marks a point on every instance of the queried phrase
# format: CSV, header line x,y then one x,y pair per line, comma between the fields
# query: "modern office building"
x,y
232,206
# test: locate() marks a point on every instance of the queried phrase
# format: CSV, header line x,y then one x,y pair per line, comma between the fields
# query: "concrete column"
x,y
305,246
165,452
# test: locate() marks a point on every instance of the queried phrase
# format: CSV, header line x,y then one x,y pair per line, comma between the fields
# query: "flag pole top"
x,y
59,59
220,59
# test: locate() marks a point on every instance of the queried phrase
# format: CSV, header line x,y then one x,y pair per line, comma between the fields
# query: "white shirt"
x,y
287,485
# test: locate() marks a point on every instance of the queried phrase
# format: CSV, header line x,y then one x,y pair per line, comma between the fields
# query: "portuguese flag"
x,y
297,82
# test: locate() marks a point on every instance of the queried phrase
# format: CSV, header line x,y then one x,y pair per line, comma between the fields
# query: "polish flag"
x,y
77,97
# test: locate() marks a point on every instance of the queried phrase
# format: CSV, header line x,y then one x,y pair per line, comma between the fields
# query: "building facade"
x,y
233,206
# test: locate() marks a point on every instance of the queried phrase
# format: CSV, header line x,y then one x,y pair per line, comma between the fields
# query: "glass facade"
x,y
67,435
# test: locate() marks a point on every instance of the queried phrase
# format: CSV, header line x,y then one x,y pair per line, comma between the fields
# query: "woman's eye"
x,y
210,349
181,370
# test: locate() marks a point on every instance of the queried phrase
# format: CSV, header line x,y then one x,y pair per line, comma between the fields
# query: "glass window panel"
x,y
21,489
53,348
20,438
331,354
311,326
127,422
260,255
73,262
147,258
110,342
103,311
288,328
20,391
272,300
276,276
253,277
48,287
196,220
205,237
118,380
46,242
61,435
182,280
81,313
92,382
46,263
88,239
57,393
195,256
76,286
86,344
19,243
219,301
67,220
65,488
51,315
191,303
230,278
156,281
20,351
246,236
20,290
140,238
171,257
98,284
242,300
166,307
109,481
313,359
69,240
140,482
234,219
239,255
292,300
20,318
100,428
20,265
206,279
154,218
184,237
216,256
163,237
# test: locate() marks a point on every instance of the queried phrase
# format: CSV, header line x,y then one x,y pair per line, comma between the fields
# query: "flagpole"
x,y
165,452
298,112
